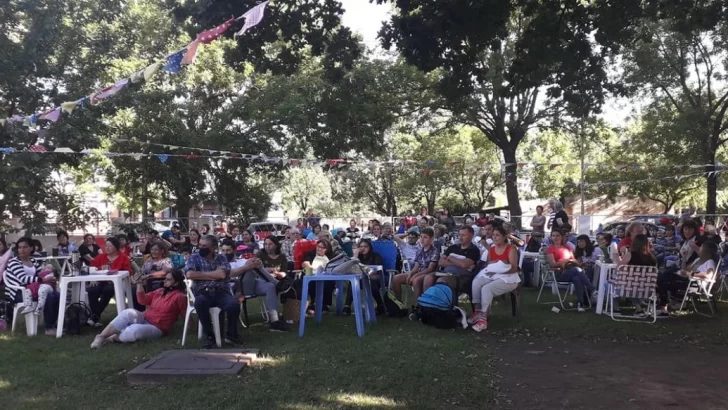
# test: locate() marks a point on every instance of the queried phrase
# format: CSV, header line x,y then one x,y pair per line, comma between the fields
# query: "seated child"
x,y
37,291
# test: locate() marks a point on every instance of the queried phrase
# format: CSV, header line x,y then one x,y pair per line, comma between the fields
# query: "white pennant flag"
x,y
252,18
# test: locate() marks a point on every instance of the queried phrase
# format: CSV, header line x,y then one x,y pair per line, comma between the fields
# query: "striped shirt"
x,y
16,278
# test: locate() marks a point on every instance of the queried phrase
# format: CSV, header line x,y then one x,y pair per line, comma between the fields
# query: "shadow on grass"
x,y
397,364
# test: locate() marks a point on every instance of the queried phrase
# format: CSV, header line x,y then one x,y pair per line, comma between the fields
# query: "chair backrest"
x,y
388,251
300,249
634,281
348,248
190,295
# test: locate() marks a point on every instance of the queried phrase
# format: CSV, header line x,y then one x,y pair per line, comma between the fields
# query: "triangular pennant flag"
x,y
69,106
554,166
521,165
111,154
252,18
137,156
64,150
427,172
109,91
208,36
192,156
86,152
2,122
16,118
8,150
52,115
37,148
235,155
293,162
162,158
174,61
151,70
191,53
430,163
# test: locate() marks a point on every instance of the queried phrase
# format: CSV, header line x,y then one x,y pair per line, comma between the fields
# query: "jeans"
x,y
219,298
50,310
670,283
133,327
99,297
581,283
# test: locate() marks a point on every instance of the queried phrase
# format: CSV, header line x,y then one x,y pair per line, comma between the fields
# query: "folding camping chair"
x,y
548,278
633,281
701,288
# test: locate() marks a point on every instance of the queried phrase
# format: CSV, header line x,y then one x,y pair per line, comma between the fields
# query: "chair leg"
x,y
184,329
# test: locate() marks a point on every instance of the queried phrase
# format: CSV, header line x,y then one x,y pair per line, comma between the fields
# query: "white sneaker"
x,y
98,342
580,308
480,325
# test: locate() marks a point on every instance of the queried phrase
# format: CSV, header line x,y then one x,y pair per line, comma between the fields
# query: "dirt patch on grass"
x,y
579,374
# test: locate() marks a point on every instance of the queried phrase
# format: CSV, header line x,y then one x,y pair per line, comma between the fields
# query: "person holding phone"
x,y
100,293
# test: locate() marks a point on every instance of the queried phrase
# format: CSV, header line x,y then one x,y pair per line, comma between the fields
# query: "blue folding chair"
x,y
388,251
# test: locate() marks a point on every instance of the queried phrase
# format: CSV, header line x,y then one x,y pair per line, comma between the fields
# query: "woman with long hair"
x,y
248,244
561,258
701,267
487,285
163,307
367,256
586,254
194,239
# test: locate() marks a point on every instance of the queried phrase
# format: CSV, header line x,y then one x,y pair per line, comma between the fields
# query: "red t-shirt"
x,y
560,254
493,256
122,262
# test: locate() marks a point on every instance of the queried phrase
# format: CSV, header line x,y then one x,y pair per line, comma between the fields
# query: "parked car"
x,y
161,225
262,230
652,229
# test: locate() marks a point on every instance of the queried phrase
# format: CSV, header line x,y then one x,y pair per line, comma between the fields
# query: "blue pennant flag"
x,y
163,158
8,150
174,62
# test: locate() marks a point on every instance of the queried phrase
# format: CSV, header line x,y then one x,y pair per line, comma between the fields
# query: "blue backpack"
x,y
438,297
436,308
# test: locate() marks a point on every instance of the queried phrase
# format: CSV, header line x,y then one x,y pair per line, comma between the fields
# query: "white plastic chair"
x,y
31,320
214,315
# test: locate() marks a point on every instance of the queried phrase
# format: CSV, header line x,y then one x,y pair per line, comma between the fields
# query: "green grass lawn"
x,y
397,364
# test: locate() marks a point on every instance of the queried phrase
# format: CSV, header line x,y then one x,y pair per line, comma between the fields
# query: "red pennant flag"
x,y
235,155
293,162
208,36
37,148
521,165
428,172
192,156
333,162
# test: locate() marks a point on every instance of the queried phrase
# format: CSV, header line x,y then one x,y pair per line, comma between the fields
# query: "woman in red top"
x,y
488,285
164,306
562,260
124,248
100,293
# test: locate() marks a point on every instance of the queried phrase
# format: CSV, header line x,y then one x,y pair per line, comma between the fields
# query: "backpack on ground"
x,y
393,306
77,314
436,307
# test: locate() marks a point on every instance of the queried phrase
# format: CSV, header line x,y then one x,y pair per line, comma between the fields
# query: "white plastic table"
x,y
63,264
122,290
604,270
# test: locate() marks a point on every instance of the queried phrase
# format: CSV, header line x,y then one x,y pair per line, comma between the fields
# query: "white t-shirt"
x,y
29,270
705,266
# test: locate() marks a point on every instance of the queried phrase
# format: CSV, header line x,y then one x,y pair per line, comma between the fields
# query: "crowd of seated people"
x,y
483,266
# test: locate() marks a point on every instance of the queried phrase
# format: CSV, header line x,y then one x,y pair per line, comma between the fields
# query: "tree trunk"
x,y
145,199
712,185
514,203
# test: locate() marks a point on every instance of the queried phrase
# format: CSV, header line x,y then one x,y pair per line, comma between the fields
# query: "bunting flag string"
x,y
172,63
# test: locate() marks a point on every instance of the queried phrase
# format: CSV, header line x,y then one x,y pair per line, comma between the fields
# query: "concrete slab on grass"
x,y
179,365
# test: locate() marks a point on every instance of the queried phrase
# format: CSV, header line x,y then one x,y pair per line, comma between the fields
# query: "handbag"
x,y
343,265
